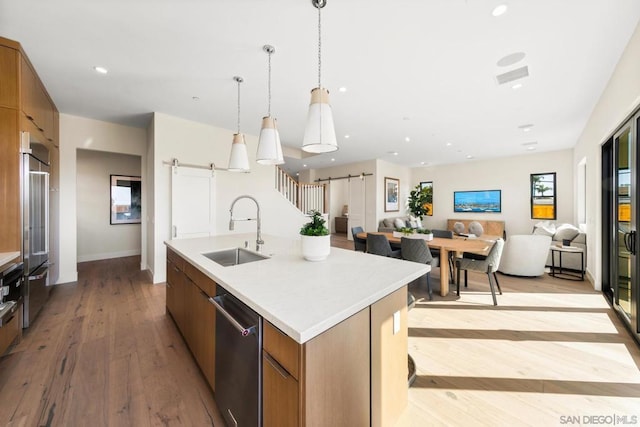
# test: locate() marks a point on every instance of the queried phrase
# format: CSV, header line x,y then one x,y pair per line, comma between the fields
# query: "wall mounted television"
x,y
477,201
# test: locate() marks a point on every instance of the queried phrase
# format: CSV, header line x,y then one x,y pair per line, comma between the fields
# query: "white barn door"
x,y
192,202
356,205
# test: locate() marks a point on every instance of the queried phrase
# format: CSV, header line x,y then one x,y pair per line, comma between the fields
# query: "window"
x,y
543,195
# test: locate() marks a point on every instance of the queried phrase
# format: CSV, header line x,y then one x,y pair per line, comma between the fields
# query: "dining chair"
x,y
489,265
444,234
378,244
416,250
359,244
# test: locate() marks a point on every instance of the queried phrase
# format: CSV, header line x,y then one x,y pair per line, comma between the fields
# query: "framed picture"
x,y
391,194
126,192
543,195
429,186
477,201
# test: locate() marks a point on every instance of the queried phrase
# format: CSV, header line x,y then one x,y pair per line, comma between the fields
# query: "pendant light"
x,y
320,133
239,161
269,146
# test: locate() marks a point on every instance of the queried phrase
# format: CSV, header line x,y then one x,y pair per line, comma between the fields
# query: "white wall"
x,y
78,132
338,197
200,144
619,99
97,237
511,175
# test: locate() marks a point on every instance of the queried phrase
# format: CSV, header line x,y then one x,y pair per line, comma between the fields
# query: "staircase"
x,y
305,197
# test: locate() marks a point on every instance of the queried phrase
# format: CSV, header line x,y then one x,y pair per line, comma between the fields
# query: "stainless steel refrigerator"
x,y
35,226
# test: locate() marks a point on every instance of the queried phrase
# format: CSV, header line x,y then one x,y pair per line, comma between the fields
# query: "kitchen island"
x,y
335,331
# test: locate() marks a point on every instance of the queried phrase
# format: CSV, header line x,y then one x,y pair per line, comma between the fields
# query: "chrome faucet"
x,y
259,241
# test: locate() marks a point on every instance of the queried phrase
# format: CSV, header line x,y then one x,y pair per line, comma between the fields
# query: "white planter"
x,y
316,248
413,236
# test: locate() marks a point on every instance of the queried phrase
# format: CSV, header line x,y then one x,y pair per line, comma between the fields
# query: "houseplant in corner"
x,y
316,241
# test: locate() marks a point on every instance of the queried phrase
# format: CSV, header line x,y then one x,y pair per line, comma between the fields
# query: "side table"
x,y
557,271
341,224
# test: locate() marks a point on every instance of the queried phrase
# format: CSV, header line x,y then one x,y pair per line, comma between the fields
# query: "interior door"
x,y
356,205
192,202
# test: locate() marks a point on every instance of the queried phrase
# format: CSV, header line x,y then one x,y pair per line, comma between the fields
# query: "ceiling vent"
x,y
512,75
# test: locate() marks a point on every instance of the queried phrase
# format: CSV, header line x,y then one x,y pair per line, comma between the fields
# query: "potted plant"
x,y
316,241
425,233
420,201
403,232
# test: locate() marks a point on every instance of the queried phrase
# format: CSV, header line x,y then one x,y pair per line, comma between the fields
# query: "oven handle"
x,y
38,276
217,302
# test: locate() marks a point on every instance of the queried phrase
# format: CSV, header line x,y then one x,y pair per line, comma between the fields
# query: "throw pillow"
x,y
543,231
398,223
476,228
458,228
546,228
566,232
388,222
413,223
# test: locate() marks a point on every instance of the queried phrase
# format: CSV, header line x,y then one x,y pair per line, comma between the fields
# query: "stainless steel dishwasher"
x,y
238,361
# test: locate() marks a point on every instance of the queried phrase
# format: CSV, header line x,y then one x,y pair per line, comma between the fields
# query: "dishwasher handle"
x,y
217,302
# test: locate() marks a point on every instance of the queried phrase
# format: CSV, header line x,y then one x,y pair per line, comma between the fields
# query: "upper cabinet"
x,y
21,89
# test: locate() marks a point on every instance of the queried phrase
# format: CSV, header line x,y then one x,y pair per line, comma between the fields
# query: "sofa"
x,y
388,225
562,232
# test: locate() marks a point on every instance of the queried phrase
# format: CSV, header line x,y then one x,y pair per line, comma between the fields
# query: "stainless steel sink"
x,y
235,256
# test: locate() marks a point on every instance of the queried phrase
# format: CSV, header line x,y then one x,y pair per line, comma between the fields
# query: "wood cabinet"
x,y
22,95
188,292
11,329
341,224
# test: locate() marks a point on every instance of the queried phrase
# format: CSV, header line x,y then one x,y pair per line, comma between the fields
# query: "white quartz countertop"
x,y
5,257
301,298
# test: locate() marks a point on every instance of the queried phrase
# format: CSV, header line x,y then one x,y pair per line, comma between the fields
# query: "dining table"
x,y
457,245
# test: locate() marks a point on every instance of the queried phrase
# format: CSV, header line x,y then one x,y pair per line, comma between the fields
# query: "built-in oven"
x,y
11,279
35,226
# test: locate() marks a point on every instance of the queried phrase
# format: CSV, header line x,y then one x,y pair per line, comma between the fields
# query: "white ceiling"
x,y
412,68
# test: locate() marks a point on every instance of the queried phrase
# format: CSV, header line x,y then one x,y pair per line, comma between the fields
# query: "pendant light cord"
x,y
238,106
269,86
319,42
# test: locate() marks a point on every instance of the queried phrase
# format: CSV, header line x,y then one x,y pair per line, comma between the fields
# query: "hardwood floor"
x,y
552,348
103,352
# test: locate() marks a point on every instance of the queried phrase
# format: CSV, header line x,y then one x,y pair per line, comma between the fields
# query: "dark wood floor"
x,y
103,352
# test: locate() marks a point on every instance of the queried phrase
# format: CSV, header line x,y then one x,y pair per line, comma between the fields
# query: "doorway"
x,y
621,181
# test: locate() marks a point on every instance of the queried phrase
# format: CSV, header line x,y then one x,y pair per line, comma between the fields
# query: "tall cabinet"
x,y
25,106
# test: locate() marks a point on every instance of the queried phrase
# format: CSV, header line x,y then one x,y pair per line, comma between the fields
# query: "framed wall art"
x,y
126,200
391,194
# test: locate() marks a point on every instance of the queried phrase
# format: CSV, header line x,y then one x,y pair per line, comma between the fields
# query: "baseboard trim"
x,y
108,255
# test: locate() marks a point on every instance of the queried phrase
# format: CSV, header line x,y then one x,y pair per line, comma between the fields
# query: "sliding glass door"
x,y
623,223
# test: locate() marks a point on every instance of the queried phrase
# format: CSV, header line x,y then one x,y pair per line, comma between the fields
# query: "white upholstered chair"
x,y
525,255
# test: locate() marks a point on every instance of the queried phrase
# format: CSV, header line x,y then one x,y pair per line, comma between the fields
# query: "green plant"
x,y
315,227
405,230
420,201
423,231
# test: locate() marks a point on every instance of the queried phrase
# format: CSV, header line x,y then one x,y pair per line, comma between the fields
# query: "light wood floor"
x,y
103,352
552,348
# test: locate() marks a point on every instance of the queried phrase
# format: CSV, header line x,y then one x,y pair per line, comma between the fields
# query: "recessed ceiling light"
x,y
406,118
195,98
469,156
499,10
531,148
100,70
333,160
423,163
516,86
512,58
347,136
448,144
304,166
526,128
393,153
407,139
342,89
297,173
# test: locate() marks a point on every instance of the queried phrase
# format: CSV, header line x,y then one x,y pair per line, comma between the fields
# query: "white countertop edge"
x,y
210,268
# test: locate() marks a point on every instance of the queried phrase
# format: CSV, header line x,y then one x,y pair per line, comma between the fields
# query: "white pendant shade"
x,y
269,146
239,161
320,133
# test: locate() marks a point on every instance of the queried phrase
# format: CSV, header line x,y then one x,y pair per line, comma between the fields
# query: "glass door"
x,y
625,218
